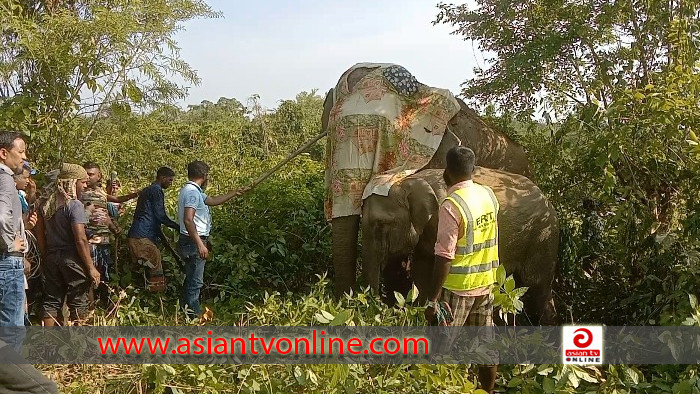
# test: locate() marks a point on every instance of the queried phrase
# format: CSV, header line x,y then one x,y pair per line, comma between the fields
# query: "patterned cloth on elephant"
x,y
384,128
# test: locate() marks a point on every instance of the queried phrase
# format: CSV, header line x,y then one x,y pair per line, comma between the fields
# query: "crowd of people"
x,y
73,221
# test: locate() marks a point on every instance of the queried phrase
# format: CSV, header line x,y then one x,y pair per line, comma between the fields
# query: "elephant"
x,y
492,149
402,227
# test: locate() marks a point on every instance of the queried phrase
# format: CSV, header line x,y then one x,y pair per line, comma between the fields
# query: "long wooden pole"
x,y
289,158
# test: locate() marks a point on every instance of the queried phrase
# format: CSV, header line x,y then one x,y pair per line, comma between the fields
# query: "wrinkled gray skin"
x,y
405,223
492,149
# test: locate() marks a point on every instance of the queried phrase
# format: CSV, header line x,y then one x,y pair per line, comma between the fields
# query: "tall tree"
x,y
65,59
618,81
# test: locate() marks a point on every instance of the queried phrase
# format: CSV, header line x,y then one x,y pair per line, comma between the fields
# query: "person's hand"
x,y
241,190
19,245
31,221
429,314
95,276
30,189
27,267
203,251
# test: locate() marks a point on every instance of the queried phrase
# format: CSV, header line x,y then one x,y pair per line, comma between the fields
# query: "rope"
x,y
33,255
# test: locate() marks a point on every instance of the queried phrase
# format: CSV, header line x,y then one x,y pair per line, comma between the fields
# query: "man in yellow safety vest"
x,y
466,251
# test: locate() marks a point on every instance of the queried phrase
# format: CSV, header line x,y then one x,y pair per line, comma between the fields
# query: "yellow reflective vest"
x,y
476,258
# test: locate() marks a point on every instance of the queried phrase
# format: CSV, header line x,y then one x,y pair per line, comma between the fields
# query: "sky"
x,y
278,48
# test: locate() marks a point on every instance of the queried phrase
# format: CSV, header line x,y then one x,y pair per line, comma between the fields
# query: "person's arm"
x,y
158,204
218,200
122,199
113,226
81,243
440,271
7,226
192,232
445,247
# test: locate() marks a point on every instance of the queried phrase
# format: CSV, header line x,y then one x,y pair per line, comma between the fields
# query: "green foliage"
x,y
506,296
317,307
616,85
62,60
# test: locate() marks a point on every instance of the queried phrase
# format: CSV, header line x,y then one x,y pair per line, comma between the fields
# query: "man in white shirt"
x,y
195,222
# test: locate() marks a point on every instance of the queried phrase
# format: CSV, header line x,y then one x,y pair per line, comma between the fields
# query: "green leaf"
x,y
327,315
299,375
573,380
340,318
499,299
518,305
519,292
501,275
321,319
632,375
515,382
399,298
548,385
413,294
693,301
509,285
544,370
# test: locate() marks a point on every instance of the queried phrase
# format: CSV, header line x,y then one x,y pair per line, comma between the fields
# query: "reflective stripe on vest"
x,y
471,269
475,264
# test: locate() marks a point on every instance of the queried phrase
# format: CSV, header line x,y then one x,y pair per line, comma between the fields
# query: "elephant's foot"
x,y
539,306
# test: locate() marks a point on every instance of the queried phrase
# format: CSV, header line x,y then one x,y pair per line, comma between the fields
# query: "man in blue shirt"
x,y
145,231
195,226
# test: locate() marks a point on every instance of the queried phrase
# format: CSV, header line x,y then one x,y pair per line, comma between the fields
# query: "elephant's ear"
x,y
422,202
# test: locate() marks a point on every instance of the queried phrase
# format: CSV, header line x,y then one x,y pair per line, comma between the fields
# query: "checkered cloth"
x,y
470,311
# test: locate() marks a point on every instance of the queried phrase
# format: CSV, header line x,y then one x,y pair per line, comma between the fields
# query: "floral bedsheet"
x,y
383,130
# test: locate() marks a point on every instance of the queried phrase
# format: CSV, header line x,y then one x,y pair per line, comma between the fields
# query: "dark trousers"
x,y
65,277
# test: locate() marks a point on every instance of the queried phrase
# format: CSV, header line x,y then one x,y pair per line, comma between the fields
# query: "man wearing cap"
x,y
68,267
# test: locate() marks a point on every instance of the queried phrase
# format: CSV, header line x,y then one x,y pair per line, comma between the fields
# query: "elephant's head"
x,y
392,226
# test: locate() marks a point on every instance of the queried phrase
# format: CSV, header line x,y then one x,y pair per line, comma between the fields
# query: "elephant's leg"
x,y
539,305
344,235
422,274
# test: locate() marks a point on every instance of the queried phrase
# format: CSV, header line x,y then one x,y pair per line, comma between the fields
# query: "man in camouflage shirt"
x,y
100,225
